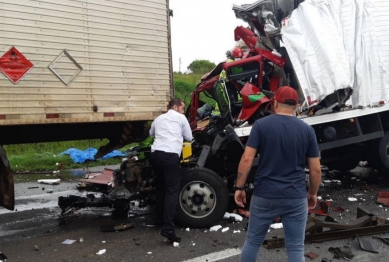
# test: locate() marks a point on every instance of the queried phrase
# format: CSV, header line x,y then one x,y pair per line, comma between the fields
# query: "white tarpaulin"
x,y
339,44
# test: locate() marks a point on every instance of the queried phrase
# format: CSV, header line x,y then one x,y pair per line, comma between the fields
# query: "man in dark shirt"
x,y
284,144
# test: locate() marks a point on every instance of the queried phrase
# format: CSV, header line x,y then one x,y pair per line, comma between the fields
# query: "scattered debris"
x,y
366,245
225,229
341,252
236,217
112,227
103,242
352,199
215,228
325,260
337,209
383,239
50,191
276,226
383,198
88,256
244,213
49,181
149,253
311,255
33,187
187,229
36,247
81,240
102,251
236,231
68,241
176,244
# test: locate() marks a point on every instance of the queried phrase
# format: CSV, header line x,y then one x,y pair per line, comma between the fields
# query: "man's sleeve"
x,y
186,131
313,147
254,139
152,129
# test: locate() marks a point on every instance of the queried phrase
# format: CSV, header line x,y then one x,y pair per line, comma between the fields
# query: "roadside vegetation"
x,y
45,156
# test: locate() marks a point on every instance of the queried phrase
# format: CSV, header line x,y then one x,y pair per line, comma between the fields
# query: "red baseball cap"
x,y
286,95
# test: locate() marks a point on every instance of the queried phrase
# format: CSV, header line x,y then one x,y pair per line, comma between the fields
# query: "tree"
x,y
201,66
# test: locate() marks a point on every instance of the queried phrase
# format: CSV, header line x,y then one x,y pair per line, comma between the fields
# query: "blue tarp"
x,y
80,156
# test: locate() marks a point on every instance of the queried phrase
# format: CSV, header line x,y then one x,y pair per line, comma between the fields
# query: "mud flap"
x,y
7,194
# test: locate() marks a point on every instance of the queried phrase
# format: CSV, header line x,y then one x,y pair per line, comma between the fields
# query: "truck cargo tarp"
x,y
79,156
340,44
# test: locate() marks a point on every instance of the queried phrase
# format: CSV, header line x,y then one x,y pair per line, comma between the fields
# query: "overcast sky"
x,y
202,29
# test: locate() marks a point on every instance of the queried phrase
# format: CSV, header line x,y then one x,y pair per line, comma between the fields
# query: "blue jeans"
x,y
293,214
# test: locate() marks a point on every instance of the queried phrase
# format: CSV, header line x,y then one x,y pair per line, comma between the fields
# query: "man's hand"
x,y
312,200
240,197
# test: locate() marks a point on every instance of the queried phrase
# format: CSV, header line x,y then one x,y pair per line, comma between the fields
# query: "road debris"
x,y
81,240
33,187
311,255
103,242
366,245
50,191
352,199
149,253
276,226
225,229
68,241
341,252
49,181
36,248
176,244
236,217
383,239
383,198
187,229
236,231
113,227
215,228
88,256
337,209
102,251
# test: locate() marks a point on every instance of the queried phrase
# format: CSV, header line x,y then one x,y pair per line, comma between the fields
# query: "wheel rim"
x,y
197,199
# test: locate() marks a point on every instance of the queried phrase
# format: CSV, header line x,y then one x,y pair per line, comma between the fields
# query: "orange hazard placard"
x,y
14,65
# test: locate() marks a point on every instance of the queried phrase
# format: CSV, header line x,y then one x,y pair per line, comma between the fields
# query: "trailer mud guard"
x,y
7,194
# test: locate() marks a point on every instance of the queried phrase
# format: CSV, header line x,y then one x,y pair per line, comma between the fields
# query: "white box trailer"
x,y
81,70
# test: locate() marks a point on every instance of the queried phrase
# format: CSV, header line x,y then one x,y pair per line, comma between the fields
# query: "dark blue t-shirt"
x,y
284,143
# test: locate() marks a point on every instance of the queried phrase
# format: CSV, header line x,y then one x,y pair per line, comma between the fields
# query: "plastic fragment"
x,y
215,228
102,251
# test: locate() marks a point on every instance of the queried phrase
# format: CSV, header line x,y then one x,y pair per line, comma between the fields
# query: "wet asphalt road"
x,y
35,225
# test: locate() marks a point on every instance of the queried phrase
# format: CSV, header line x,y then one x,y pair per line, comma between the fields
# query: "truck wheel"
x,y
380,159
203,198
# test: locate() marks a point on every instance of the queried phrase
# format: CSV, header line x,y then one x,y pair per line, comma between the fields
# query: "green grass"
x,y
44,156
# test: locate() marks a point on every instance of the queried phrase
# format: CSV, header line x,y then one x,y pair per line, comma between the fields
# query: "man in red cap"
x,y
285,144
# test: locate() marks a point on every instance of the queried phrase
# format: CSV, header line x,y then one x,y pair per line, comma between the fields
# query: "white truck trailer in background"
x,y
80,70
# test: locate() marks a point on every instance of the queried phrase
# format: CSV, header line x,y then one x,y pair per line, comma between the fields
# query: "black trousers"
x,y
168,173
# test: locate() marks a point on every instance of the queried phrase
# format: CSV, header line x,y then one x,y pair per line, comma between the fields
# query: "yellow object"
x,y
186,151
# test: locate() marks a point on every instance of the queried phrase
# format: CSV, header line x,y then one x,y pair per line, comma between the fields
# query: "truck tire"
x,y
203,198
380,159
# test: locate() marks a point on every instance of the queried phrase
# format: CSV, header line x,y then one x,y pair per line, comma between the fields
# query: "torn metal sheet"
x,y
365,224
104,178
383,198
7,192
366,245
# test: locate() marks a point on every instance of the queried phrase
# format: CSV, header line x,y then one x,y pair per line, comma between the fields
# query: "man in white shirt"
x,y
170,130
